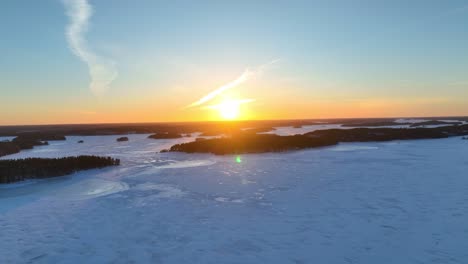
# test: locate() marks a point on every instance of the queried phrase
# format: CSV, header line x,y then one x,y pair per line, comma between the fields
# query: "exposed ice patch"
x,y
165,190
39,149
91,188
245,181
228,200
221,199
186,164
352,148
122,147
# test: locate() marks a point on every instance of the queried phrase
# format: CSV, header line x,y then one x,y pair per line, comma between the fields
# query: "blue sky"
x,y
170,53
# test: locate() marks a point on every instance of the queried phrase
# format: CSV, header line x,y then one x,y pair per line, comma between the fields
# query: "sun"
x,y
229,109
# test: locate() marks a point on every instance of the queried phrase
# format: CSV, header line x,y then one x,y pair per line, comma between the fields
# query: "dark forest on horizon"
x,y
39,168
245,142
208,127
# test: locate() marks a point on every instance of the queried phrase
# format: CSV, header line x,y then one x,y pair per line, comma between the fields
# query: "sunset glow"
x,y
229,110
293,71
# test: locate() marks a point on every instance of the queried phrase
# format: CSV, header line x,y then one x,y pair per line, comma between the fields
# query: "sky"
x,y
88,61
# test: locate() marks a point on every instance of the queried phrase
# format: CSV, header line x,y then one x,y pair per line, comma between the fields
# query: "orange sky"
x,y
281,109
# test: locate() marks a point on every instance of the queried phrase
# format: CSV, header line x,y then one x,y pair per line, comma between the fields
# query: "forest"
x,y
7,148
168,135
245,142
38,168
252,143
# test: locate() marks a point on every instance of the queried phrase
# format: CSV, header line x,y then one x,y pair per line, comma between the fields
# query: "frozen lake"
x,y
391,202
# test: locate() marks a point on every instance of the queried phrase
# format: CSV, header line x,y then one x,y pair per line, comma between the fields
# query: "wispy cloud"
x,y
242,78
102,71
245,76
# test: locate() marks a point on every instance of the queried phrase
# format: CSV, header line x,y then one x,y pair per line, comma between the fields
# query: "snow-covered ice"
x,y
388,202
6,138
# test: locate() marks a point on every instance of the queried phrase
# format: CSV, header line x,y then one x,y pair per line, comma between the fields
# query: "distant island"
x,y
251,143
435,123
375,124
167,135
39,168
122,139
257,143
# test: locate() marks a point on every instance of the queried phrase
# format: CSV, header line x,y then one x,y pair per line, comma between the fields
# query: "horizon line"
x,y
232,121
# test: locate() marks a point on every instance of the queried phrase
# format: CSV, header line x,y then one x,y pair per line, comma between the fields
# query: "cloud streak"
x,y
242,78
245,76
102,71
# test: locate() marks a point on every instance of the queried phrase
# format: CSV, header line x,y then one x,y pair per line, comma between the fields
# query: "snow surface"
x,y
388,202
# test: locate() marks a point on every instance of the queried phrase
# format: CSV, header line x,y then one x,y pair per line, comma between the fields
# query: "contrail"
x,y
245,76
101,71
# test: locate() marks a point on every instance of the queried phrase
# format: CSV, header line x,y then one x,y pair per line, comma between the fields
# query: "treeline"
x,y
38,168
388,134
251,143
208,128
7,148
377,134
149,128
166,135
436,123
394,123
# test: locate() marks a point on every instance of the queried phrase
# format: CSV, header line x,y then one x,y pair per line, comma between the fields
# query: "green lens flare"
x,y
238,159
